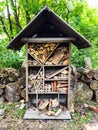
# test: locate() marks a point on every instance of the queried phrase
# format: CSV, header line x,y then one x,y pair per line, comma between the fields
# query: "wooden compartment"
x,y
48,72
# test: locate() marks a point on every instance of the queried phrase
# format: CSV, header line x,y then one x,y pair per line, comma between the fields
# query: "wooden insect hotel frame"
x,y
48,42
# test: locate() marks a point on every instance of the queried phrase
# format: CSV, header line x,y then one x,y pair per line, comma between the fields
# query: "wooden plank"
x,y
56,79
68,101
57,72
33,114
27,98
48,40
47,93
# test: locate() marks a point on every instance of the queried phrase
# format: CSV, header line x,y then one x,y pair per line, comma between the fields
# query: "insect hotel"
x,y
48,42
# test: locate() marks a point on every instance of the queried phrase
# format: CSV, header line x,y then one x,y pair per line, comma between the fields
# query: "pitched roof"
x,y
48,16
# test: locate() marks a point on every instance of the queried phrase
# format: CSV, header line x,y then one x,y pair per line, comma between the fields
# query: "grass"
x,y
14,112
78,120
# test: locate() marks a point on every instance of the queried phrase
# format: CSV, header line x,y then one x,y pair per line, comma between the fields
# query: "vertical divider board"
x,y
43,77
27,98
68,103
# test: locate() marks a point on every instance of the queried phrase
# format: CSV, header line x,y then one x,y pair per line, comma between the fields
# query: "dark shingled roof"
x,y
47,16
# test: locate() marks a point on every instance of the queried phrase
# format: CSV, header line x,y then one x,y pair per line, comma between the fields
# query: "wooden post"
x,y
69,77
27,98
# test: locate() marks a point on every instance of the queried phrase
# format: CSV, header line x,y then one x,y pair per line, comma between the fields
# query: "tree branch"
x,y
4,27
9,20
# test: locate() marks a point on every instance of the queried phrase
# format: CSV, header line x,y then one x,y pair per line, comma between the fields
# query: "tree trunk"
x,y
4,27
16,14
10,22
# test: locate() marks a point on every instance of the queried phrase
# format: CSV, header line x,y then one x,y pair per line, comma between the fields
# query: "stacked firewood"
x,y
41,51
12,84
36,80
84,83
60,56
49,53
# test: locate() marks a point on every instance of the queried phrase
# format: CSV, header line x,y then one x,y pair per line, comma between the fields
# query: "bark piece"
x,y
96,74
94,85
93,108
85,79
58,112
54,86
44,105
88,63
90,74
12,92
74,72
23,93
1,91
50,113
2,98
96,95
12,74
54,103
59,55
66,62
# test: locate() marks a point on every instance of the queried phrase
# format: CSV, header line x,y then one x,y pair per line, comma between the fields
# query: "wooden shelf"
x,y
46,93
55,65
55,79
49,40
34,66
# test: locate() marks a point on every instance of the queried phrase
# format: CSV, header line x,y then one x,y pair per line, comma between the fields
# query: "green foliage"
x,y
2,105
9,58
14,112
78,120
76,12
